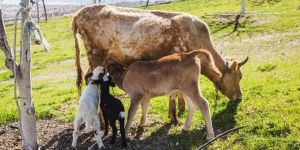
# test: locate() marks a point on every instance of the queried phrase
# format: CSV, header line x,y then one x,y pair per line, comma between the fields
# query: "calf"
x,y
112,109
87,109
179,72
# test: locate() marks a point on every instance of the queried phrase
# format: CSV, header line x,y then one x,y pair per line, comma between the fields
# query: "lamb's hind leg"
x,y
122,130
98,135
114,129
76,132
202,103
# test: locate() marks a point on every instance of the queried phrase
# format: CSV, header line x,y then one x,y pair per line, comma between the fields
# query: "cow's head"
x,y
230,81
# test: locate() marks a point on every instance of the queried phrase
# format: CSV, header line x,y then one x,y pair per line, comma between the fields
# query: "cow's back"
x,y
125,35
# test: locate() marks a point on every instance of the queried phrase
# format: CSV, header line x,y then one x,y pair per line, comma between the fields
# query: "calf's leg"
x,y
202,103
191,111
134,105
144,105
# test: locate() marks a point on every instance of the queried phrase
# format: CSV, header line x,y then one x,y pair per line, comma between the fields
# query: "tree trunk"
x,y
23,78
147,3
243,7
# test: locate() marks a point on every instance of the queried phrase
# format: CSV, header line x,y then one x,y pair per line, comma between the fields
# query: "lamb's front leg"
x,y
114,129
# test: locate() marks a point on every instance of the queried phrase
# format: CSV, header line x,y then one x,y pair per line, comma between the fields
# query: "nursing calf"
x,y
179,72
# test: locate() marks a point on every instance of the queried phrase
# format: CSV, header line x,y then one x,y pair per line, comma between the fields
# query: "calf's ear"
x,y
234,66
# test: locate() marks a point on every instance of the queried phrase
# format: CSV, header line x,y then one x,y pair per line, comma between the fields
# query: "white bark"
x,y
23,73
243,7
28,120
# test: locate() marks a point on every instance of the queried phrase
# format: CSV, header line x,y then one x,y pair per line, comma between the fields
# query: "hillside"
x,y
269,35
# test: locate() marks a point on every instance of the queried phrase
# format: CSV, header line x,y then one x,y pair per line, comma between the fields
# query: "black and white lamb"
x,y
112,109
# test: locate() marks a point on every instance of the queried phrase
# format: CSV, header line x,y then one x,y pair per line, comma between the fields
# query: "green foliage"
x,y
271,87
266,67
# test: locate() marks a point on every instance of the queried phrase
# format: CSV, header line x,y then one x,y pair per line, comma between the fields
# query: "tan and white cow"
x,y
125,35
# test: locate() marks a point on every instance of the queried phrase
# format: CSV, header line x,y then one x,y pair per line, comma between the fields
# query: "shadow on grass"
x,y
159,139
162,139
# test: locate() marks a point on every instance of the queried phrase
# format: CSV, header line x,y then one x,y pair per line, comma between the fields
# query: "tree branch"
x,y
4,45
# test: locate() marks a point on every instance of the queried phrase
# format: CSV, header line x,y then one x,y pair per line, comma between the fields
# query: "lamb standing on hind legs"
x,y
87,111
179,72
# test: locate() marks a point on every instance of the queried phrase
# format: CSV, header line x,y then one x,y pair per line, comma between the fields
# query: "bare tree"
x,y
241,13
45,10
147,3
22,75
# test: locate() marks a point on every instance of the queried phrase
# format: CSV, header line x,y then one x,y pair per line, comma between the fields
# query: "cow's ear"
x,y
234,66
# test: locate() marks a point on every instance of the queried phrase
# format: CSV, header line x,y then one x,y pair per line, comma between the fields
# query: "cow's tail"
x,y
77,56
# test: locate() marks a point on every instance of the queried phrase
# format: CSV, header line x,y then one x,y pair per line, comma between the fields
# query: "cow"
x,y
126,35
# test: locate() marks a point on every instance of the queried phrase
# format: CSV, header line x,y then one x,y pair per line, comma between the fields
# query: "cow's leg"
x,y
172,109
134,105
144,105
76,132
191,111
181,104
202,103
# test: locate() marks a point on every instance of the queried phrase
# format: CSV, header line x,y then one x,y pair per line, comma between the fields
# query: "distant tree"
x,y
243,7
241,13
147,4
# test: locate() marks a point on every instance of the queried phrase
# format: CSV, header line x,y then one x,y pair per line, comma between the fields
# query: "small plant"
x,y
266,67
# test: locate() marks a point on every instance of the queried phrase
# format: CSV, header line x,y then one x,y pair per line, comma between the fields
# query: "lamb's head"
x,y
107,79
98,73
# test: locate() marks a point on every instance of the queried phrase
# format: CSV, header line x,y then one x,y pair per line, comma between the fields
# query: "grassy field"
x,y
269,35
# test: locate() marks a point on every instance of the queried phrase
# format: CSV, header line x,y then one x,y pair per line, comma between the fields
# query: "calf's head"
x,y
230,81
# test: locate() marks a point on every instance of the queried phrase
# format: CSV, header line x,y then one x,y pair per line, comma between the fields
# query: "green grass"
x,y
270,36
